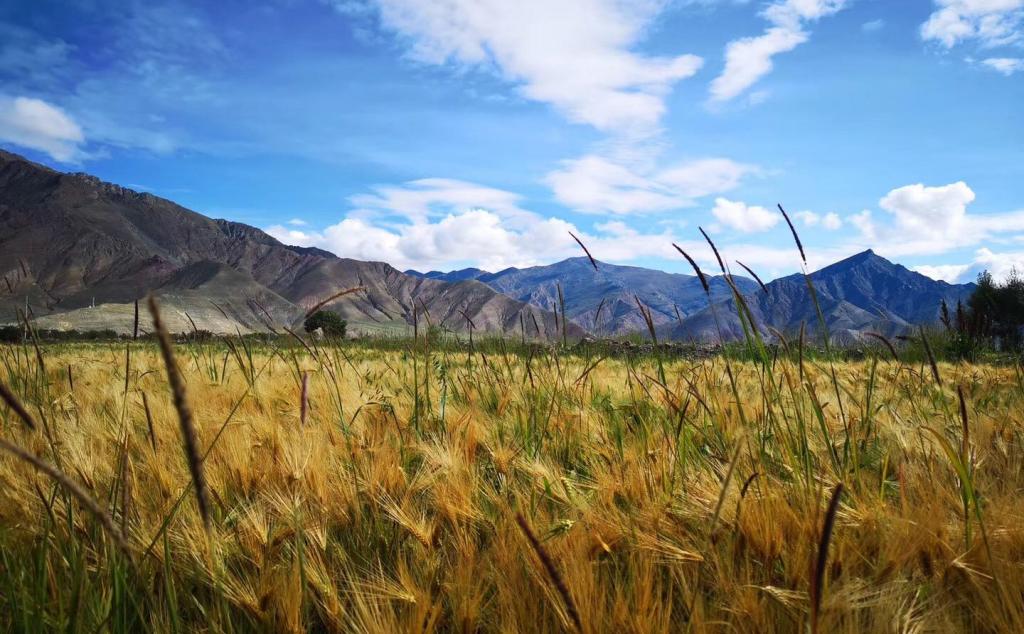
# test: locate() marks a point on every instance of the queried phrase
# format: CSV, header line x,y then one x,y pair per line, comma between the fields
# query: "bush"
x,y
330,324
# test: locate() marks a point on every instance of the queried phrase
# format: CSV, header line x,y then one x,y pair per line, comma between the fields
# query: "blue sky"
x,y
454,133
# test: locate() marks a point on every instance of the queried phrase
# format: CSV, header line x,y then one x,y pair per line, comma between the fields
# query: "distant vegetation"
x,y
328,323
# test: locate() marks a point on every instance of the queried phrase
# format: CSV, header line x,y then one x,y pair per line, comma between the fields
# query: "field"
x,y
421,487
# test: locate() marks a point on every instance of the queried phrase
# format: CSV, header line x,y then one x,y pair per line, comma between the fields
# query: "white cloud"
x,y
1000,265
573,54
595,184
873,25
750,58
947,272
1005,65
704,177
38,125
808,218
476,237
443,233
743,217
929,212
830,221
865,224
421,199
297,222
989,22
929,220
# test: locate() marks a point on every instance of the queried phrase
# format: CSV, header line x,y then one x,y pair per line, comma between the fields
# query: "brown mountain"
x,y
78,252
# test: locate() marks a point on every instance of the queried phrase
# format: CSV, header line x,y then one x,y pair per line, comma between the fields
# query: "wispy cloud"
x,y
987,22
1005,65
577,56
38,125
596,184
749,59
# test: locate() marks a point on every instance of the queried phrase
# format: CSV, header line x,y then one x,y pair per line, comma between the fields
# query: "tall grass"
x,y
693,502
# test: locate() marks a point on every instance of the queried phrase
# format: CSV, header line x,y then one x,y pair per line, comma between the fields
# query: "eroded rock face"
x,y
79,251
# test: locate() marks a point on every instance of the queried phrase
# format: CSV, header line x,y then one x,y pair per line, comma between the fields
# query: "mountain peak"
x,y
866,257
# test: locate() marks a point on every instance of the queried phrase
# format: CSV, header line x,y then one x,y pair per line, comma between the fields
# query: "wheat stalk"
x,y
553,574
188,431
330,299
74,489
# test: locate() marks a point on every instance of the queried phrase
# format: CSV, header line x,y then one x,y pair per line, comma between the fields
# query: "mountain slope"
x,y
584,290
69,242
862,293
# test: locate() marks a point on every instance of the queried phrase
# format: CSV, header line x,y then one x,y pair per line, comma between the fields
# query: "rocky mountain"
x,y
77,252
862,293
450,276
859,294
670,296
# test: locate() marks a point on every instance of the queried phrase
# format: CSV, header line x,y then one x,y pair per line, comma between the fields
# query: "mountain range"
x,y
862,293
77,252
611,288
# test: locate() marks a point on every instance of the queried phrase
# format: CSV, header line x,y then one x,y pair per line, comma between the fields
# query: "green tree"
x,y
995,310
331,324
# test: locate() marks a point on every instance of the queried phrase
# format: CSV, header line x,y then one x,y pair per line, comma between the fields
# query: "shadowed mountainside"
x,y
78,252
863,293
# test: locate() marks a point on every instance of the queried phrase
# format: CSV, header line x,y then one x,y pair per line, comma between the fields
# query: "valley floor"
x,y
681,496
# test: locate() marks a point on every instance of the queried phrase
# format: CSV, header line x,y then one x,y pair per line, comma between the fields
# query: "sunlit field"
x,y
423,488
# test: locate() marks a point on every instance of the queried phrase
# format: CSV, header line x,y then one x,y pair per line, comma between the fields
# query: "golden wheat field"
x,y
421,489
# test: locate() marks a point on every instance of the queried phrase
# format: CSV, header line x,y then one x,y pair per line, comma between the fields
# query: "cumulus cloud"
x,y
750,58
406,228
1005,65
934,212
988,22
38,125
1000,265
595,184
476,237
951,273
743,217
575,55
830,221
928,220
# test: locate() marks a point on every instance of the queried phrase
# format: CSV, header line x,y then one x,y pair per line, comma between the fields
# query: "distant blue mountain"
x,y
452,276
864,292
670,296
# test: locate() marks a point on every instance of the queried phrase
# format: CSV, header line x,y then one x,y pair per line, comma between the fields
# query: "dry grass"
x,y
697,503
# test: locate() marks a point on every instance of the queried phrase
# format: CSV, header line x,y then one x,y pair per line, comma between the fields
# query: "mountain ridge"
x,y
70,241
78,251
860,293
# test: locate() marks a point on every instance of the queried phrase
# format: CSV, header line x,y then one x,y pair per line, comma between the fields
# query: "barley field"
x,y
428,488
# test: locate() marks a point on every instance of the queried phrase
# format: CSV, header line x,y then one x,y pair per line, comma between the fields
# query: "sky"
x,y
444,134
